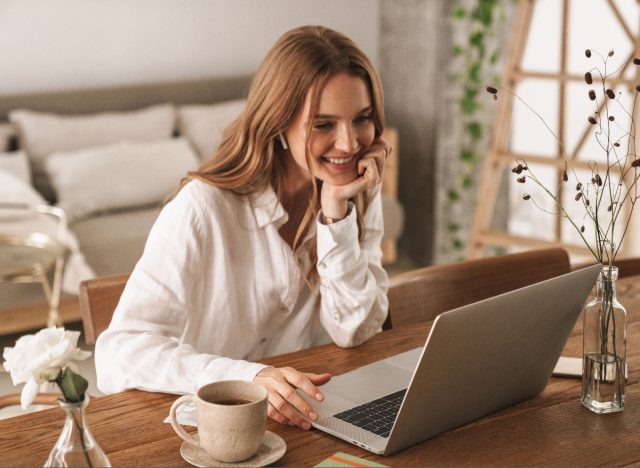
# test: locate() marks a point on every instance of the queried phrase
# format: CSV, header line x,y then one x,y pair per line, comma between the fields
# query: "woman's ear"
x,y
283,140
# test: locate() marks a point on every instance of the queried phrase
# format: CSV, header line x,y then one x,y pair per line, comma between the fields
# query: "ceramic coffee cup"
x,y
232,419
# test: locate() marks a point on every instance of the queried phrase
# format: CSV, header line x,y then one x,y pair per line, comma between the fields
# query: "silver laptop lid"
x,y
488,355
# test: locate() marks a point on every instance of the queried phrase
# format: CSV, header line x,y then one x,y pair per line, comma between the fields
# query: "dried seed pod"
x,y
598,180
610,94
588,78
635,163
636,61
638,88
592,120
526,196
611,118
587,53
492,90
578,196
610,53
581,228
616,144
586,201
592,95
579,186
565,177
609,208
521,180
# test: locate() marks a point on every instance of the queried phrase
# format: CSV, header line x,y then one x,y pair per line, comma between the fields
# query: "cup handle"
x,y
174,420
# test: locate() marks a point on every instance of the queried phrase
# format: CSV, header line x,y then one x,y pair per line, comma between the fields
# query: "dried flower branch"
x,y
612,188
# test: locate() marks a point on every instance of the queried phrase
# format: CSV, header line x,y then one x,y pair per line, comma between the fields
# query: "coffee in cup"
x,y
232,419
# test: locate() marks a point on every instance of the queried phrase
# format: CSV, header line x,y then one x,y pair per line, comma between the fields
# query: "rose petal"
x,y
29,392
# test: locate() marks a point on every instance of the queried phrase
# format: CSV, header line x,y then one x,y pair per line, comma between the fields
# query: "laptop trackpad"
x,y
370,382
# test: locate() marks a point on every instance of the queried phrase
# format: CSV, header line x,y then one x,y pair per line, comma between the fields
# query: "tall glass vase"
x,y
76,445
604,347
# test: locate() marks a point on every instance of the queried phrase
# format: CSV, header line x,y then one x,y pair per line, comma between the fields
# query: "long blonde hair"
x,y
249,159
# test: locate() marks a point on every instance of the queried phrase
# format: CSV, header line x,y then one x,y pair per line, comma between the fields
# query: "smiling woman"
x,y
273,245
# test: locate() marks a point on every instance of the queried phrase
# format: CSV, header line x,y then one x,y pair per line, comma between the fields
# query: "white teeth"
x,y
340,160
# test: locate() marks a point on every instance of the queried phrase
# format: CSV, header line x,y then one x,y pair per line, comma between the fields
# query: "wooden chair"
x,y
626,266
422,294
98,300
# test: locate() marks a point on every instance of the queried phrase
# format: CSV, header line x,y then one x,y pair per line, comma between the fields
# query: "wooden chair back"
x,y
422,294
626,266
98,300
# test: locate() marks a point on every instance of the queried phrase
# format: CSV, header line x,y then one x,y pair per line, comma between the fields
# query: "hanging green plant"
x,y
477,62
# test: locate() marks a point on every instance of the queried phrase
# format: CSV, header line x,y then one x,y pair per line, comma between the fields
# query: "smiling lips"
x,y
340,164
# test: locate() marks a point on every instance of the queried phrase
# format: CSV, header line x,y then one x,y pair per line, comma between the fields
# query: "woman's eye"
x,y
363,119
323,126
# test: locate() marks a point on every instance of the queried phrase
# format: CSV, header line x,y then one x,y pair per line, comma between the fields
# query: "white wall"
x,y
64,44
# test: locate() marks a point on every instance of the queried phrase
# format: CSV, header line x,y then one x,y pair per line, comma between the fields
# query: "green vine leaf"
x,y
453,227
457,50
477,40
457,244
475,130
459,13
484,12
467,182
474,72
453,195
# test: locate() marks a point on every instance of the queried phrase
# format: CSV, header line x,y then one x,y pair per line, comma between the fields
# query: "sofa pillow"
x,y
42,134
16,164
121,175
202,124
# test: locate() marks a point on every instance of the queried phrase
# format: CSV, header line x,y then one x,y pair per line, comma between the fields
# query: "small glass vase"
x,y
604,347
76,445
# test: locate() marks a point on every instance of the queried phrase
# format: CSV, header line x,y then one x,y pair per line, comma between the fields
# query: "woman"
x,y
273,245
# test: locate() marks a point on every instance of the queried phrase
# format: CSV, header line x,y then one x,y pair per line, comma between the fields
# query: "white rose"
x,y
48,351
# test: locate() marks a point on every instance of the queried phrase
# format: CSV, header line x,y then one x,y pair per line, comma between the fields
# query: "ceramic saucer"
x,y
271,449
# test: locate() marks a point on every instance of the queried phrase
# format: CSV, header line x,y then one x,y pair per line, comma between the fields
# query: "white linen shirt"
x,y
217,287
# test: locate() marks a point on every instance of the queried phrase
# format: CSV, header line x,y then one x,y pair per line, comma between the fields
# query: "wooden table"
x,y
550,429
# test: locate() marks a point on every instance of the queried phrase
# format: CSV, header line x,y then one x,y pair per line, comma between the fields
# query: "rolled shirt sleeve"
x,y
353,284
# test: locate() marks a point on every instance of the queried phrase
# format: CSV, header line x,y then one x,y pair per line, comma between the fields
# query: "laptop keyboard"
x,y
376,416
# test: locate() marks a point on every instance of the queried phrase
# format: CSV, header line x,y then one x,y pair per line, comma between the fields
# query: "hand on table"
x,y
285,404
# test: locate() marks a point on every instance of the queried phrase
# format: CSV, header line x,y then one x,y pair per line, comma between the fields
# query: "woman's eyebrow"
x,y
330,116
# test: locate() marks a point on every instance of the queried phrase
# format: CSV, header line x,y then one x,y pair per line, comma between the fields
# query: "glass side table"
x,y
28,257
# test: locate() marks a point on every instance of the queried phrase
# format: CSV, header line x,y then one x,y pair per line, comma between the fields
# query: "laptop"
x,y
477,359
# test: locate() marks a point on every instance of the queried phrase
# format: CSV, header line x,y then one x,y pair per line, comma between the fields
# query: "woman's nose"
x,y
346,140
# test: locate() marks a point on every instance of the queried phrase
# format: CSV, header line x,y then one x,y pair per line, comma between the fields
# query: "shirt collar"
x,y
267,208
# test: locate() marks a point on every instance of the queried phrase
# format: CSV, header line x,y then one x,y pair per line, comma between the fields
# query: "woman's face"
x,y
341,131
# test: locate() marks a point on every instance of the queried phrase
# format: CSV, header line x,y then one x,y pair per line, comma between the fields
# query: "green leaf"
x,y
484,12
453,227
72,386
474,72
467,182
468,102
453,195
459,13
467,155
493,58
457,50
474,129
457,244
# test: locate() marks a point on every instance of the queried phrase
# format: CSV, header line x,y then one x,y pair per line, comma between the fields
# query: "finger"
x,y
274,414
283,406
370,171
301,406
301,381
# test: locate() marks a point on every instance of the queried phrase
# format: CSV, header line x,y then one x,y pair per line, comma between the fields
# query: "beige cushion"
x,y
42,134
203,124
107,253
121,175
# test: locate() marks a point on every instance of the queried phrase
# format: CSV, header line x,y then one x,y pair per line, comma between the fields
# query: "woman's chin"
x,y
338,180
